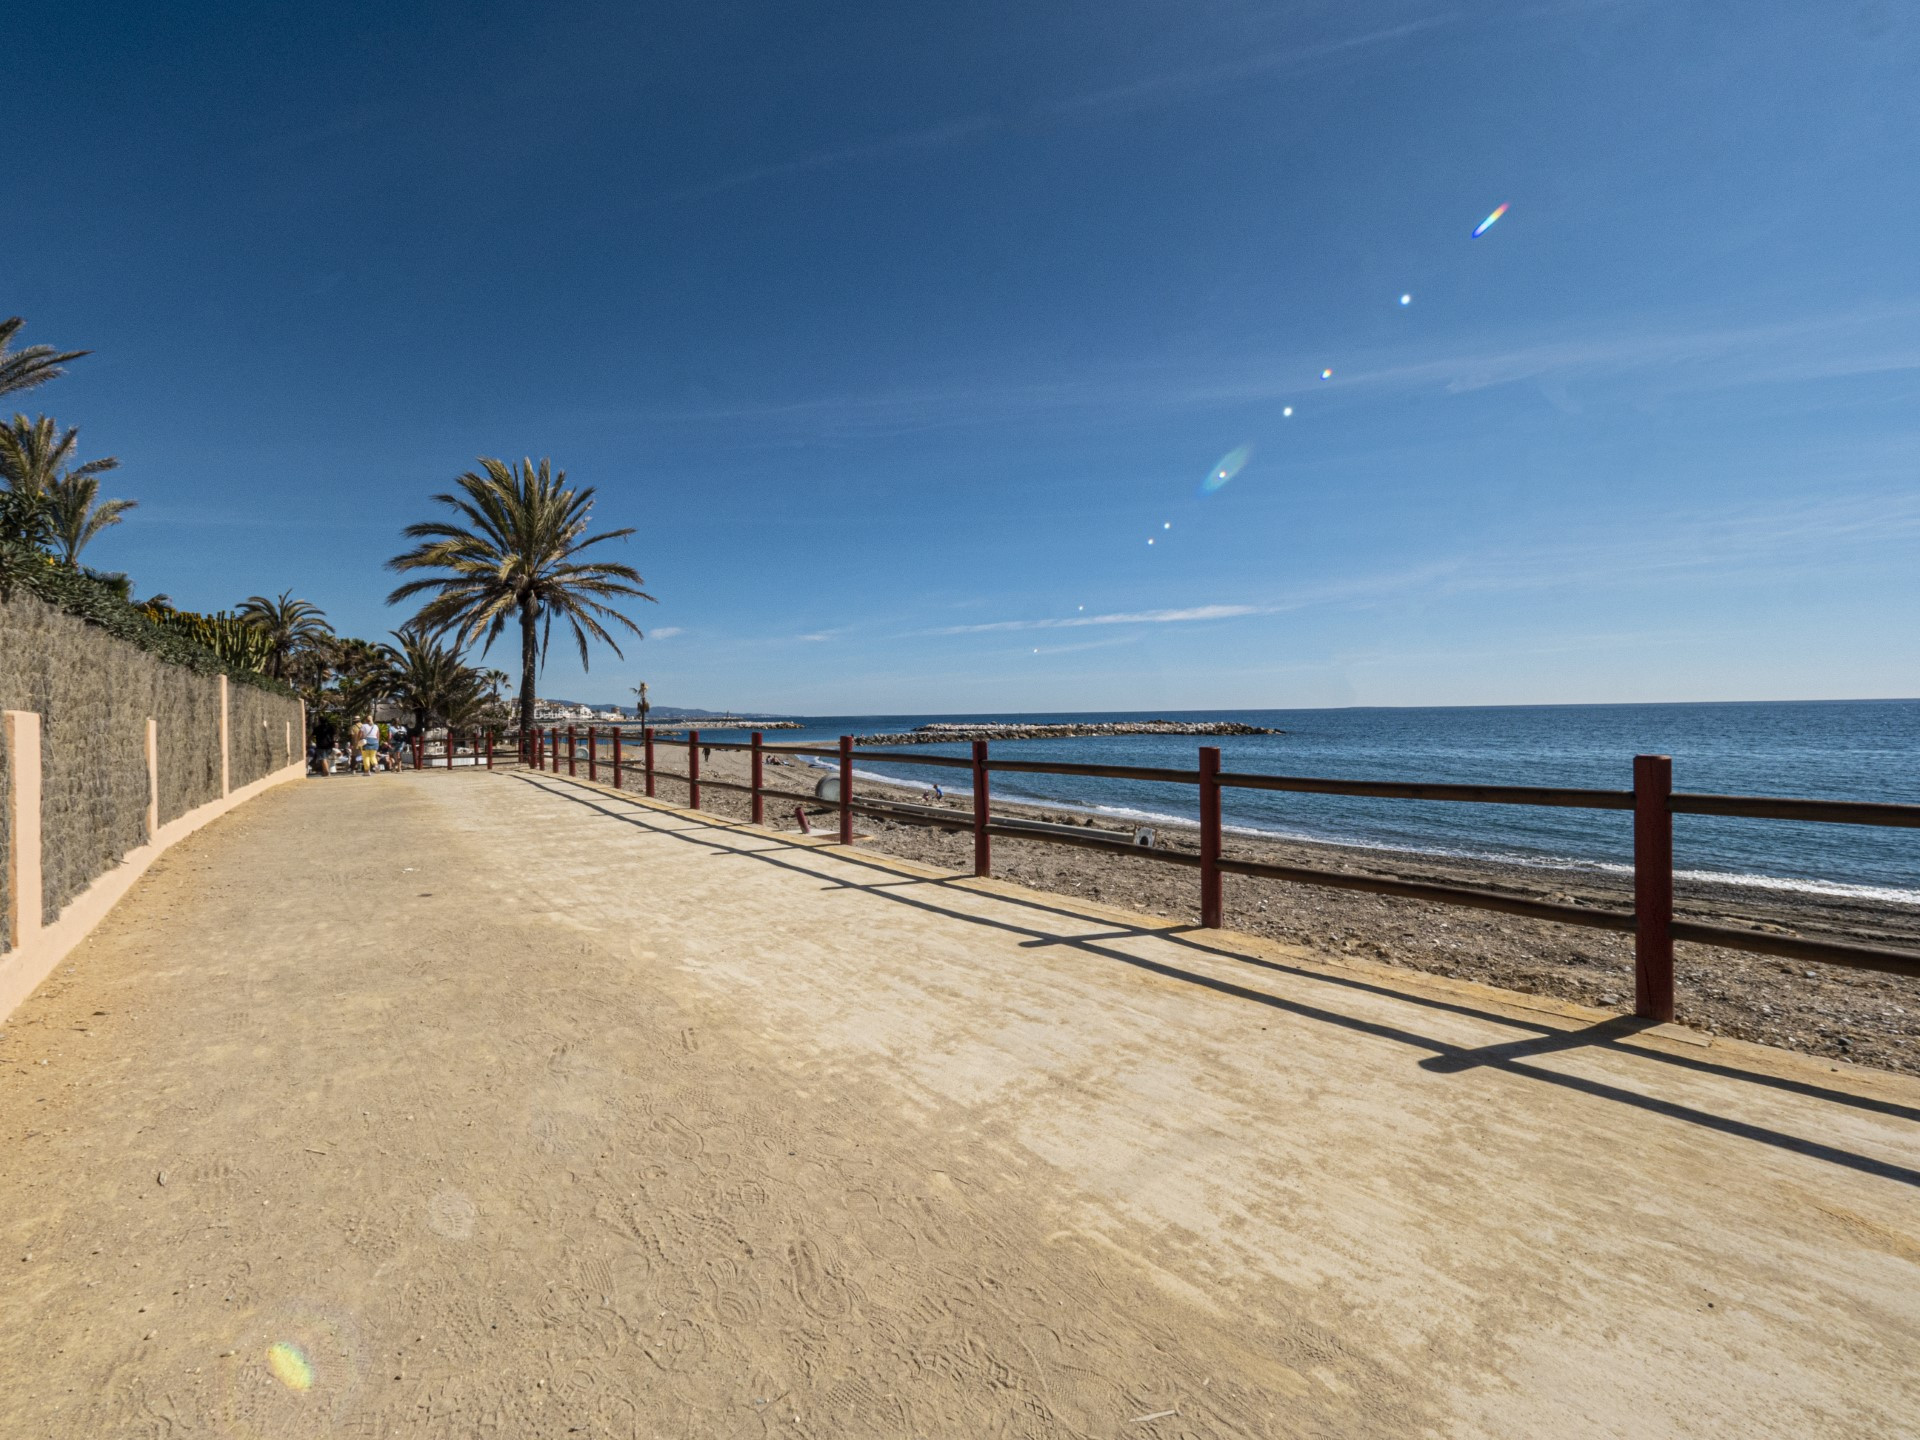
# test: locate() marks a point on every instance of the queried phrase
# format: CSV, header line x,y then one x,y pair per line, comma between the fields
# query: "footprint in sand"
x,y
450,1215
822,1293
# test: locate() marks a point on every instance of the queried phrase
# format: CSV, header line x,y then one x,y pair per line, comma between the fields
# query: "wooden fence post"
x,y
846,789
489,747
693,768
616,757
982,813
573,752
1211,908
646,738
759,800
593,753
1653,887
554,732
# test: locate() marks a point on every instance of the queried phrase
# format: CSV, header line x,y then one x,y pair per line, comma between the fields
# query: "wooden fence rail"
x,y
1652,802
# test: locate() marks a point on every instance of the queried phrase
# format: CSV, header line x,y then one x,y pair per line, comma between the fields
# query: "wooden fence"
x,y
1652,801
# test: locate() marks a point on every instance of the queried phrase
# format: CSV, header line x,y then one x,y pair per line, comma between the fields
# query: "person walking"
x,y
369,745
323,738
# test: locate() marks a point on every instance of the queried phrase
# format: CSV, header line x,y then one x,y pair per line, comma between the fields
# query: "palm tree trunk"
x,y
529,662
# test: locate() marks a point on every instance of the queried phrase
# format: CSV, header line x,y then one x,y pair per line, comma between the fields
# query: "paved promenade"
x,y
495,1105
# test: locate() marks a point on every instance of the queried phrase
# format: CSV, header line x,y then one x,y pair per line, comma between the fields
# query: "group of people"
x,y
361,747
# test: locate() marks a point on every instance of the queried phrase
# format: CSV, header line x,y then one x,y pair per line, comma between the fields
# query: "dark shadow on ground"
x,y
1444,1057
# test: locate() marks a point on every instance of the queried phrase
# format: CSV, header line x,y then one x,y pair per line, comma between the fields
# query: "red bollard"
x,y
846,789
616,757
1212,907
593,753
1653,887
646,737
452,745
573,752
489,748
982,813
759,800
553,732
693,768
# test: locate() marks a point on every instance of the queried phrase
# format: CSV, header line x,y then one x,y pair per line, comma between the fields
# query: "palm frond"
x,y
32,364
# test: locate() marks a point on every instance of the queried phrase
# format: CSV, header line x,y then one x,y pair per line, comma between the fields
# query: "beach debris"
x,y
160,1177
1143,837
1487,224
1157,1415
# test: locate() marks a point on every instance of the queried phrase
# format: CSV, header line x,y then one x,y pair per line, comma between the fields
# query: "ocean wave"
x,y
1798,885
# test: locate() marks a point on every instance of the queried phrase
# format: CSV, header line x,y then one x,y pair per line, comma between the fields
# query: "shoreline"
x,y
1121,819
1861,1016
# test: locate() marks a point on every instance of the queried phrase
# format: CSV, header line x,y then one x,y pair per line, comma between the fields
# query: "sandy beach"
x,y
1860,1016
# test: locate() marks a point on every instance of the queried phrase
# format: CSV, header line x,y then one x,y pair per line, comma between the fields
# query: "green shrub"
x,y
103,600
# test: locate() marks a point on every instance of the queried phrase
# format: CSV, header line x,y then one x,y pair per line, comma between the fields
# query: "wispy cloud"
x,y
1143,92
1675,355
1171,85
664,632
1133,617
927,138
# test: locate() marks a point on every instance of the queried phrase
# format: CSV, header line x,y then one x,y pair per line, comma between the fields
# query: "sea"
x,y
1841,749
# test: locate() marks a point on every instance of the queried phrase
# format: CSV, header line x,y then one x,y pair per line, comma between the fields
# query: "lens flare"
x,y
1487,224
1231,464
1406,299
290,1365
293,1374
1166,524
1288,411
1326,374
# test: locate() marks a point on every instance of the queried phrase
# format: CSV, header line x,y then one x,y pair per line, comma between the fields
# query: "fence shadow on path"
x,y
1444,1057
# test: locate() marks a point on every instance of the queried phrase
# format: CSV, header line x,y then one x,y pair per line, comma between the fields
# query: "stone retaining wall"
x,y
94,695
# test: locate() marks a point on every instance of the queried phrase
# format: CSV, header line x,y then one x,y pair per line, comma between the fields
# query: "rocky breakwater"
x,y
947,732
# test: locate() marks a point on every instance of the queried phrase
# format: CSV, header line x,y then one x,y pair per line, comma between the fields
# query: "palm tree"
x,y
517,555
362,674
34,365
640,692
292,625
35,456
430,679
77,513
495,679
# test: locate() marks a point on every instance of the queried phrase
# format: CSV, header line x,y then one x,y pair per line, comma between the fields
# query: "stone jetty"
x,y
947,732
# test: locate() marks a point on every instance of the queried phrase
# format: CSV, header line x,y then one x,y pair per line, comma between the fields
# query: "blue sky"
x,y
898,331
